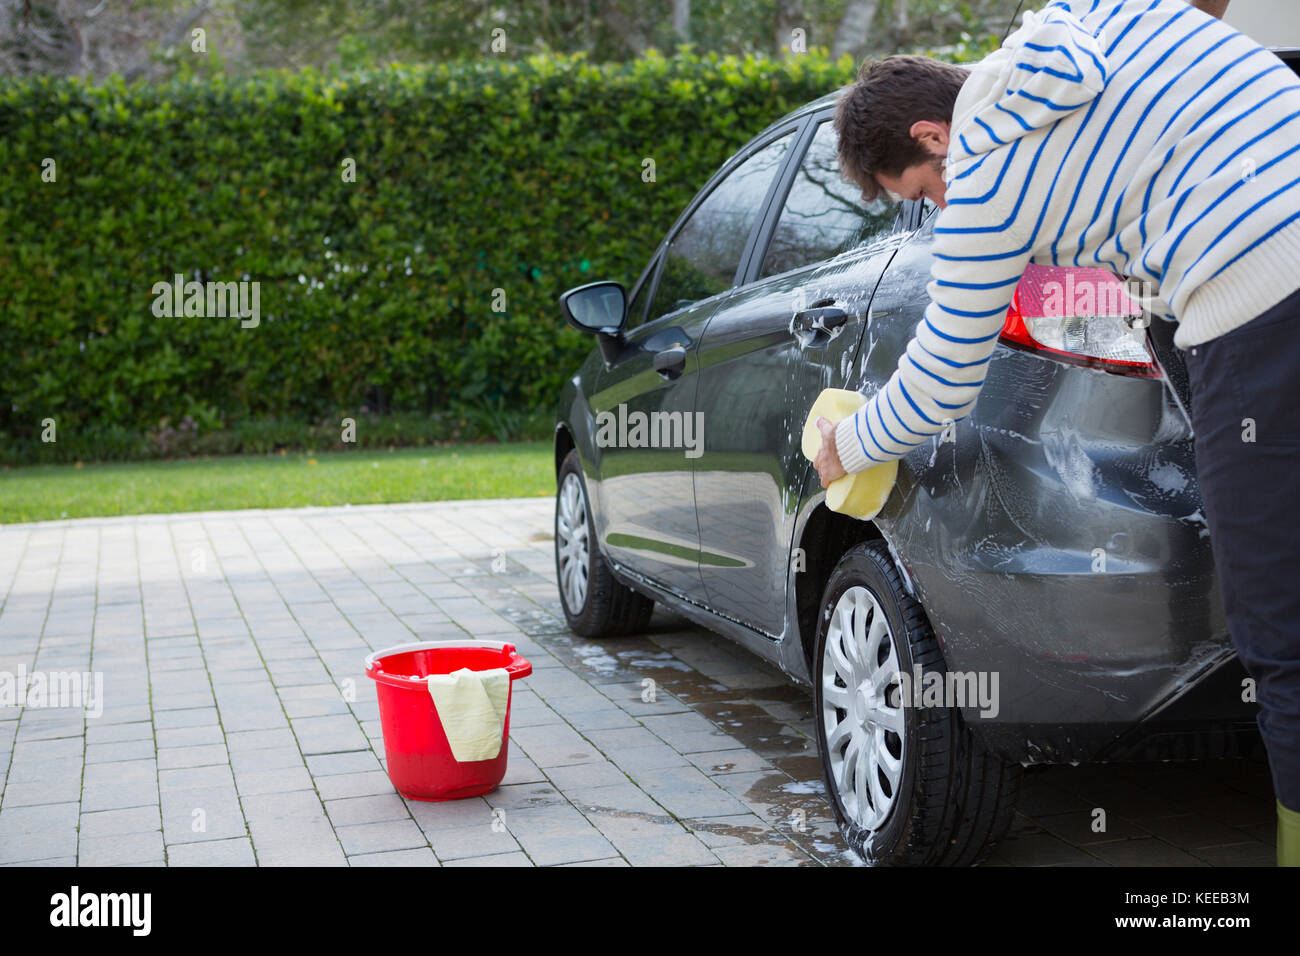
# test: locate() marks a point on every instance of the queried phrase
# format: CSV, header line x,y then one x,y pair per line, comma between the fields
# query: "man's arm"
x,y
979,256
1215,8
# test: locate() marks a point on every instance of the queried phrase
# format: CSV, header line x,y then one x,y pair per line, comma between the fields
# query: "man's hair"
x,y
874,116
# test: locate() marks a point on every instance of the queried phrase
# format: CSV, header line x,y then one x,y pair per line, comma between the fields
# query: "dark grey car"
x,y
1043,566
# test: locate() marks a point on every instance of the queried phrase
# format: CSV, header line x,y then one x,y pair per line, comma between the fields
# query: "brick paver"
x,y
237,727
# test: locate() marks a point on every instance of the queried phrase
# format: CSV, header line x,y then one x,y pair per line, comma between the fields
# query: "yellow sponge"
x,y
859,494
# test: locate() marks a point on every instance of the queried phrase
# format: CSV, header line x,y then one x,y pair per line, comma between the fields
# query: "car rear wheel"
x,y
909,785
594,603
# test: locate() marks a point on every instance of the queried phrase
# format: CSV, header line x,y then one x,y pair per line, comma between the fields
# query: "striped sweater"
x,y
1138,135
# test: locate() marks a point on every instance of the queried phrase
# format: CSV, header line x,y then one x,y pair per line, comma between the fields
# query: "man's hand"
x,y
827,461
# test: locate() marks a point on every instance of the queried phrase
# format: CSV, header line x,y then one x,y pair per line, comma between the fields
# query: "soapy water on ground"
x,y
606,664
594,656
807,787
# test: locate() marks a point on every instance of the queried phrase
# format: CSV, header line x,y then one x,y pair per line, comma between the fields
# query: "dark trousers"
x,y
1246,385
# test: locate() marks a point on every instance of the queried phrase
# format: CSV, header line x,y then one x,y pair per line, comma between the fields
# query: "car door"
x,y
644,402
767,353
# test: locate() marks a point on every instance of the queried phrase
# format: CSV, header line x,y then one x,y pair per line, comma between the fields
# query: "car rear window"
x,y
823,214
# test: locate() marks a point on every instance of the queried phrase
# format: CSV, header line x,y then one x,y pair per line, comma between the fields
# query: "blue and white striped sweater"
x,y
1141,136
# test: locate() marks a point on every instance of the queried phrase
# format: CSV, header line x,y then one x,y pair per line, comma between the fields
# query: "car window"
x,y
823,215
705,253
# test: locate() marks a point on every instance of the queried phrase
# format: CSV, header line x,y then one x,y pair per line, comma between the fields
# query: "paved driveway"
x,y
237,727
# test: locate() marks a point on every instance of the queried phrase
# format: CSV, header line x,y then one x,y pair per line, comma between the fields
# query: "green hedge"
x,y
265,436
376,296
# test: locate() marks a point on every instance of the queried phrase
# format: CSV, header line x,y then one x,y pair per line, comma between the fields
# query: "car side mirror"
x,y
598,307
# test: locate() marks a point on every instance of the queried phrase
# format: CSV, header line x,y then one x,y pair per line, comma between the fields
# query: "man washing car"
x,y
1146,137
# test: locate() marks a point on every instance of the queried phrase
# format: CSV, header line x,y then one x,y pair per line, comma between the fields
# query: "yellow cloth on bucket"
x,y
859,494
472,708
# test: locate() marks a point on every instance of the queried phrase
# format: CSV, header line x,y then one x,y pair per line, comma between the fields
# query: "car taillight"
x,y
1081,316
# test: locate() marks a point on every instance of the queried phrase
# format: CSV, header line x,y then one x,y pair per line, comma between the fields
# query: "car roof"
x,y
821,103
1267,22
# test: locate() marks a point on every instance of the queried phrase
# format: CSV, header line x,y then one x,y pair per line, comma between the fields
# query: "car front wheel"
x,y
594,603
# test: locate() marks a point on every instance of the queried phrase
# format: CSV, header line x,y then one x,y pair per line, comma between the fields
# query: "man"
x,y
1147,137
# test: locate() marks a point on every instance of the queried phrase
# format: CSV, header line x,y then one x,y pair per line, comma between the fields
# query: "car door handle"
x,y
671,362
826,319
817,326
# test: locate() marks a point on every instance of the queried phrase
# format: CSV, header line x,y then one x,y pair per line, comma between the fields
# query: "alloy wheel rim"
x,y
862,713
571,546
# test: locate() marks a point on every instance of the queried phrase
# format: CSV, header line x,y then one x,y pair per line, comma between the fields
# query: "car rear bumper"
x,y
1059,549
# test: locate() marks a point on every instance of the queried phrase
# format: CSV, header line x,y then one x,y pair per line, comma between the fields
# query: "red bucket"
x,y
420,762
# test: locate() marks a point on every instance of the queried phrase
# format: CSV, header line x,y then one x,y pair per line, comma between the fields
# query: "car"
x,y
1039,587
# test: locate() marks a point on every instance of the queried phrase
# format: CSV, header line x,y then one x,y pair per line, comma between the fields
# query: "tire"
x,y
594,603
943,799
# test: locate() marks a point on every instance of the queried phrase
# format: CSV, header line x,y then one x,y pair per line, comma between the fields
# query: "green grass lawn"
x,y
49,492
